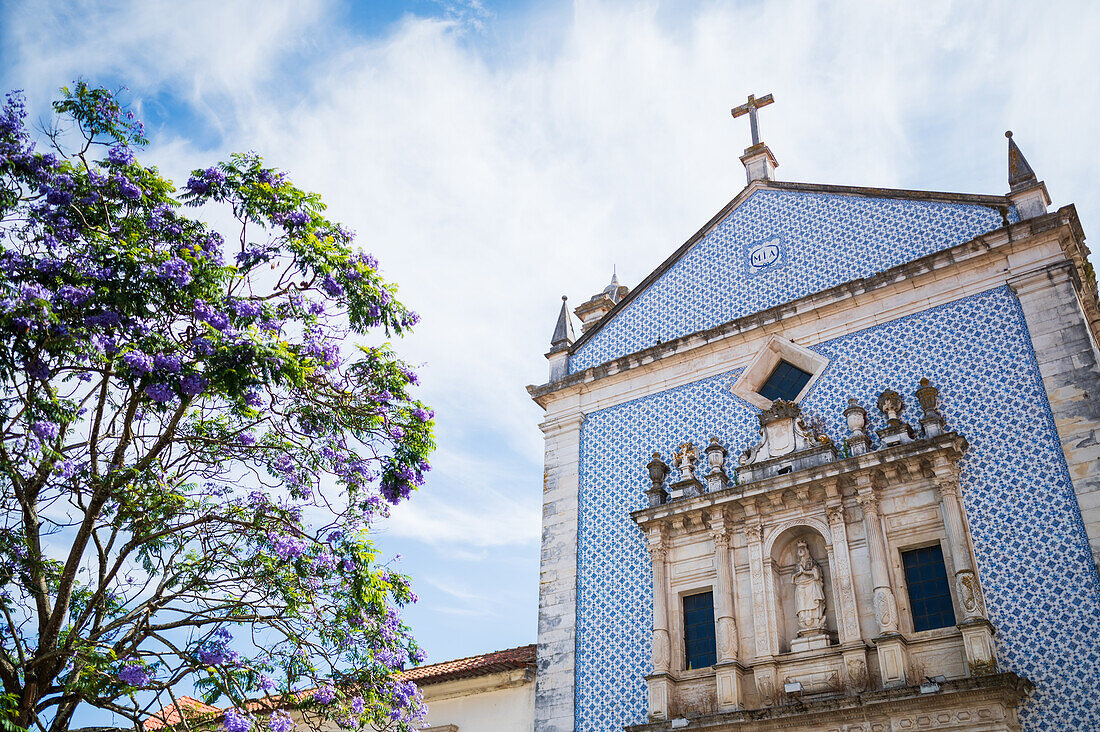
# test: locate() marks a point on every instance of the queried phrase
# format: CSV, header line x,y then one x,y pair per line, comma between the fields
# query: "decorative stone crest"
x,y
784,433
970,594
688,485
684,458
886,610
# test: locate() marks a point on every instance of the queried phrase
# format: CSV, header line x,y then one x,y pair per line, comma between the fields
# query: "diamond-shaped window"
x,y
782,370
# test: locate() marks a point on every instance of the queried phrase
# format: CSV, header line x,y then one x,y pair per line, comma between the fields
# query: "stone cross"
x,y
750,108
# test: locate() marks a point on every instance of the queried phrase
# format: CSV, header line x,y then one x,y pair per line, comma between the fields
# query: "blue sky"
x,y
495,155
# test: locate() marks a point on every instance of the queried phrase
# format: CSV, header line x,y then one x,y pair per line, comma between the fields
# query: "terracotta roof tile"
x,y
466,668
170,715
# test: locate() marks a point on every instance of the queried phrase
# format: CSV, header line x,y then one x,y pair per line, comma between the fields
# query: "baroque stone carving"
x,y
809,591
970,594
727,638
660,650
684,459
886,610
782,432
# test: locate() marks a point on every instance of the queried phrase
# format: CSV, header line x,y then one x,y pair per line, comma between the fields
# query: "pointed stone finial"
x,y
1028,194
563,331
1020,174
559,344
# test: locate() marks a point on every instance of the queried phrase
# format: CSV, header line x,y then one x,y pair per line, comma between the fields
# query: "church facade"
x,y
832,466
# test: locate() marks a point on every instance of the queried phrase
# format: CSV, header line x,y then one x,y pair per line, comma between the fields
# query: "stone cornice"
x,y
1006,688
950,445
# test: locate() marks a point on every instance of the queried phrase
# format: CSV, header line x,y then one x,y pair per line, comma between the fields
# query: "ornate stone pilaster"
x,y
659,683
754,537
976,629
725,624
727,671
886,605
893,654
658,554
848,618
967,588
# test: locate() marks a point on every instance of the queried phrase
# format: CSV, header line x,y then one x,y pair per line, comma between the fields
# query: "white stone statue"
x,y
809,591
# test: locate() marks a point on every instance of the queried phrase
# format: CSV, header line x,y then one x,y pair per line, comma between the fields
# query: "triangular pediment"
x,y
777,242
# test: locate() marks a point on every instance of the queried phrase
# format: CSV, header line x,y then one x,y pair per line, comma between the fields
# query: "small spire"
x,y
1020,173
563,331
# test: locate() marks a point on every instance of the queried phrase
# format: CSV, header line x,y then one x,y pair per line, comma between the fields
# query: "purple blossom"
x,y
126,187
349,565
246,308
288,547
161,393
252,398
205,181
48,265
324,695
31,291
46,431
323,562
296,219
175,270
134,674
247,439
139,363
280,721
167,362
202,347
193,385
120,155
208,314
266,683
236,722
358,705
331,287
418,655
423,414
73,296
214,652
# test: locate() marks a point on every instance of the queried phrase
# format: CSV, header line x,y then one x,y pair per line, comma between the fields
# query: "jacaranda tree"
x,y
196,434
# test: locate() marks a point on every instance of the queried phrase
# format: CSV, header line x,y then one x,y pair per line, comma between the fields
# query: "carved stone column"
x,y
728,670
893,657
976,629
886,605
659,682
764,668
966,581
851,639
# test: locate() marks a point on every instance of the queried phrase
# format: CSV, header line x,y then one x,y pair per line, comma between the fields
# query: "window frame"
x,y
947,585
776,349
685,652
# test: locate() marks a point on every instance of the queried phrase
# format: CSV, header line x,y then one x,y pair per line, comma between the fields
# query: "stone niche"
x,y
784,563
801,546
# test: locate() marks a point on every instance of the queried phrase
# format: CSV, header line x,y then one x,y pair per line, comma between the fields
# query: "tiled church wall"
x,y
1042,590
845,237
